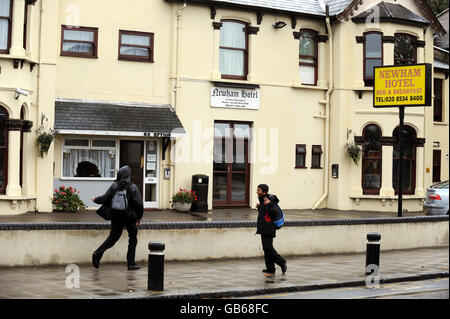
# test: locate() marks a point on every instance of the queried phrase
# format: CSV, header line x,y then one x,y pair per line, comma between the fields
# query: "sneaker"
x,y
96,259
133,267
265,271
284,267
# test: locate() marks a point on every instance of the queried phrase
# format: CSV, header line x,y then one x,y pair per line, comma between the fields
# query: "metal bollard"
x,y
373,252
156,266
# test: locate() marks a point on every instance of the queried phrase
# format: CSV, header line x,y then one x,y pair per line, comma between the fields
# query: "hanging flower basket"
x,y
44,137
43,142
354,152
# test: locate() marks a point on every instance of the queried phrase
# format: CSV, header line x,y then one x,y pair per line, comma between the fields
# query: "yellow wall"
x,y
186,62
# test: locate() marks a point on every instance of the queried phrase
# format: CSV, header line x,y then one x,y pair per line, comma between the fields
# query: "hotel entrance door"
x,y
231,176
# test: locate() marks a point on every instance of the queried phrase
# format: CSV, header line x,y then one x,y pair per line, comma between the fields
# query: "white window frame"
x,y
89,147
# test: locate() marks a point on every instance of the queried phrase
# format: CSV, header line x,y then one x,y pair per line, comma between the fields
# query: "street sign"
x,y
405,85
402,86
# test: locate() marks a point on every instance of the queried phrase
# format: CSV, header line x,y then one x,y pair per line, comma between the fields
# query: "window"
x,y
135,46
437,100
371,160
436,166
89,158
300,156
233,55
405,49
316,155
409,161
308,57
5,25
3,150
79,42
373,55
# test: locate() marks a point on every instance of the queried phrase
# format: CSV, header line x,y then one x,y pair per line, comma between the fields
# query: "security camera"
x,y
19,91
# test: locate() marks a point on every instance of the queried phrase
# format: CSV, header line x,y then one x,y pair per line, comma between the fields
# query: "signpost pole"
x,y
400,160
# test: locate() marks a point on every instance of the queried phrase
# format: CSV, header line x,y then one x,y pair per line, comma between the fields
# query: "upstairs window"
x,y
373,55
135,46
5,25
308,57
79,42
233,55
405,49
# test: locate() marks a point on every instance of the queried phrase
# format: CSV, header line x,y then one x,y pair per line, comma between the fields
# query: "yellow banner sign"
x,y
408,85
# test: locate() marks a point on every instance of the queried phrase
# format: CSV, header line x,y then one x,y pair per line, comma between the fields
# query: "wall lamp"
x,y
279,25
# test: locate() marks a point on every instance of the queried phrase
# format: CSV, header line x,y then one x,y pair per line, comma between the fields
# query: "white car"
x,y
436,202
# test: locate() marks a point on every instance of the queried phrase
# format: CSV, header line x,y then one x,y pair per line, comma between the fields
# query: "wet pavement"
x,y
213,215
215,278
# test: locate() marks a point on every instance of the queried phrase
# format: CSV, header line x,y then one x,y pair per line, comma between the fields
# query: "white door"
x,y
151,174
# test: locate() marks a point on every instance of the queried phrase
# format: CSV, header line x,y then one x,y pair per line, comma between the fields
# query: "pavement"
x,y
219,278
167,215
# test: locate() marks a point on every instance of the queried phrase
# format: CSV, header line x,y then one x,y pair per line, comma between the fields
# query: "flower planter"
x,y
182,207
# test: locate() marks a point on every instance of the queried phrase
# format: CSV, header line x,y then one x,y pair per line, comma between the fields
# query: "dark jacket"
x,y
266,213
135,205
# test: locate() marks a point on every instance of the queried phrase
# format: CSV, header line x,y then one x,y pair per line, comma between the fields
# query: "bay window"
x,y
371,160
89,158
409,160
405,49
5,25
3,150
373,55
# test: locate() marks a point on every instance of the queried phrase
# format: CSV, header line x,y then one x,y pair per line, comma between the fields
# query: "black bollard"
x,y
156,266
373,252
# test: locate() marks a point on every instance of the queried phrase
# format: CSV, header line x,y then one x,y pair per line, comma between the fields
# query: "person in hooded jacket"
x,y
130,219
267,210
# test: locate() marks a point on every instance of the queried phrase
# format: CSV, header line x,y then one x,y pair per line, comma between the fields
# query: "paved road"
x,y
429,289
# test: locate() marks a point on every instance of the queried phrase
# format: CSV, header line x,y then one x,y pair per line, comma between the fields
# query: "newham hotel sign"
x,y
407,85
234,98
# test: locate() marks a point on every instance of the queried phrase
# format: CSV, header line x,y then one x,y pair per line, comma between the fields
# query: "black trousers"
x,y
271,256
117,225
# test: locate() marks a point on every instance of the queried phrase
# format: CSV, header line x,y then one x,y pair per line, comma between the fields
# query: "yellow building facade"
x,y
242,92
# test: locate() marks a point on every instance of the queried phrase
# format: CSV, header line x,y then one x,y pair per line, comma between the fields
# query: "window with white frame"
x,y
89,158
308,66
233,56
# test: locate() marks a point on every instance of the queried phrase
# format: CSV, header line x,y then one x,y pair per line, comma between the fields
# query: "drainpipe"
x,y
174,94
38,94
327,110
